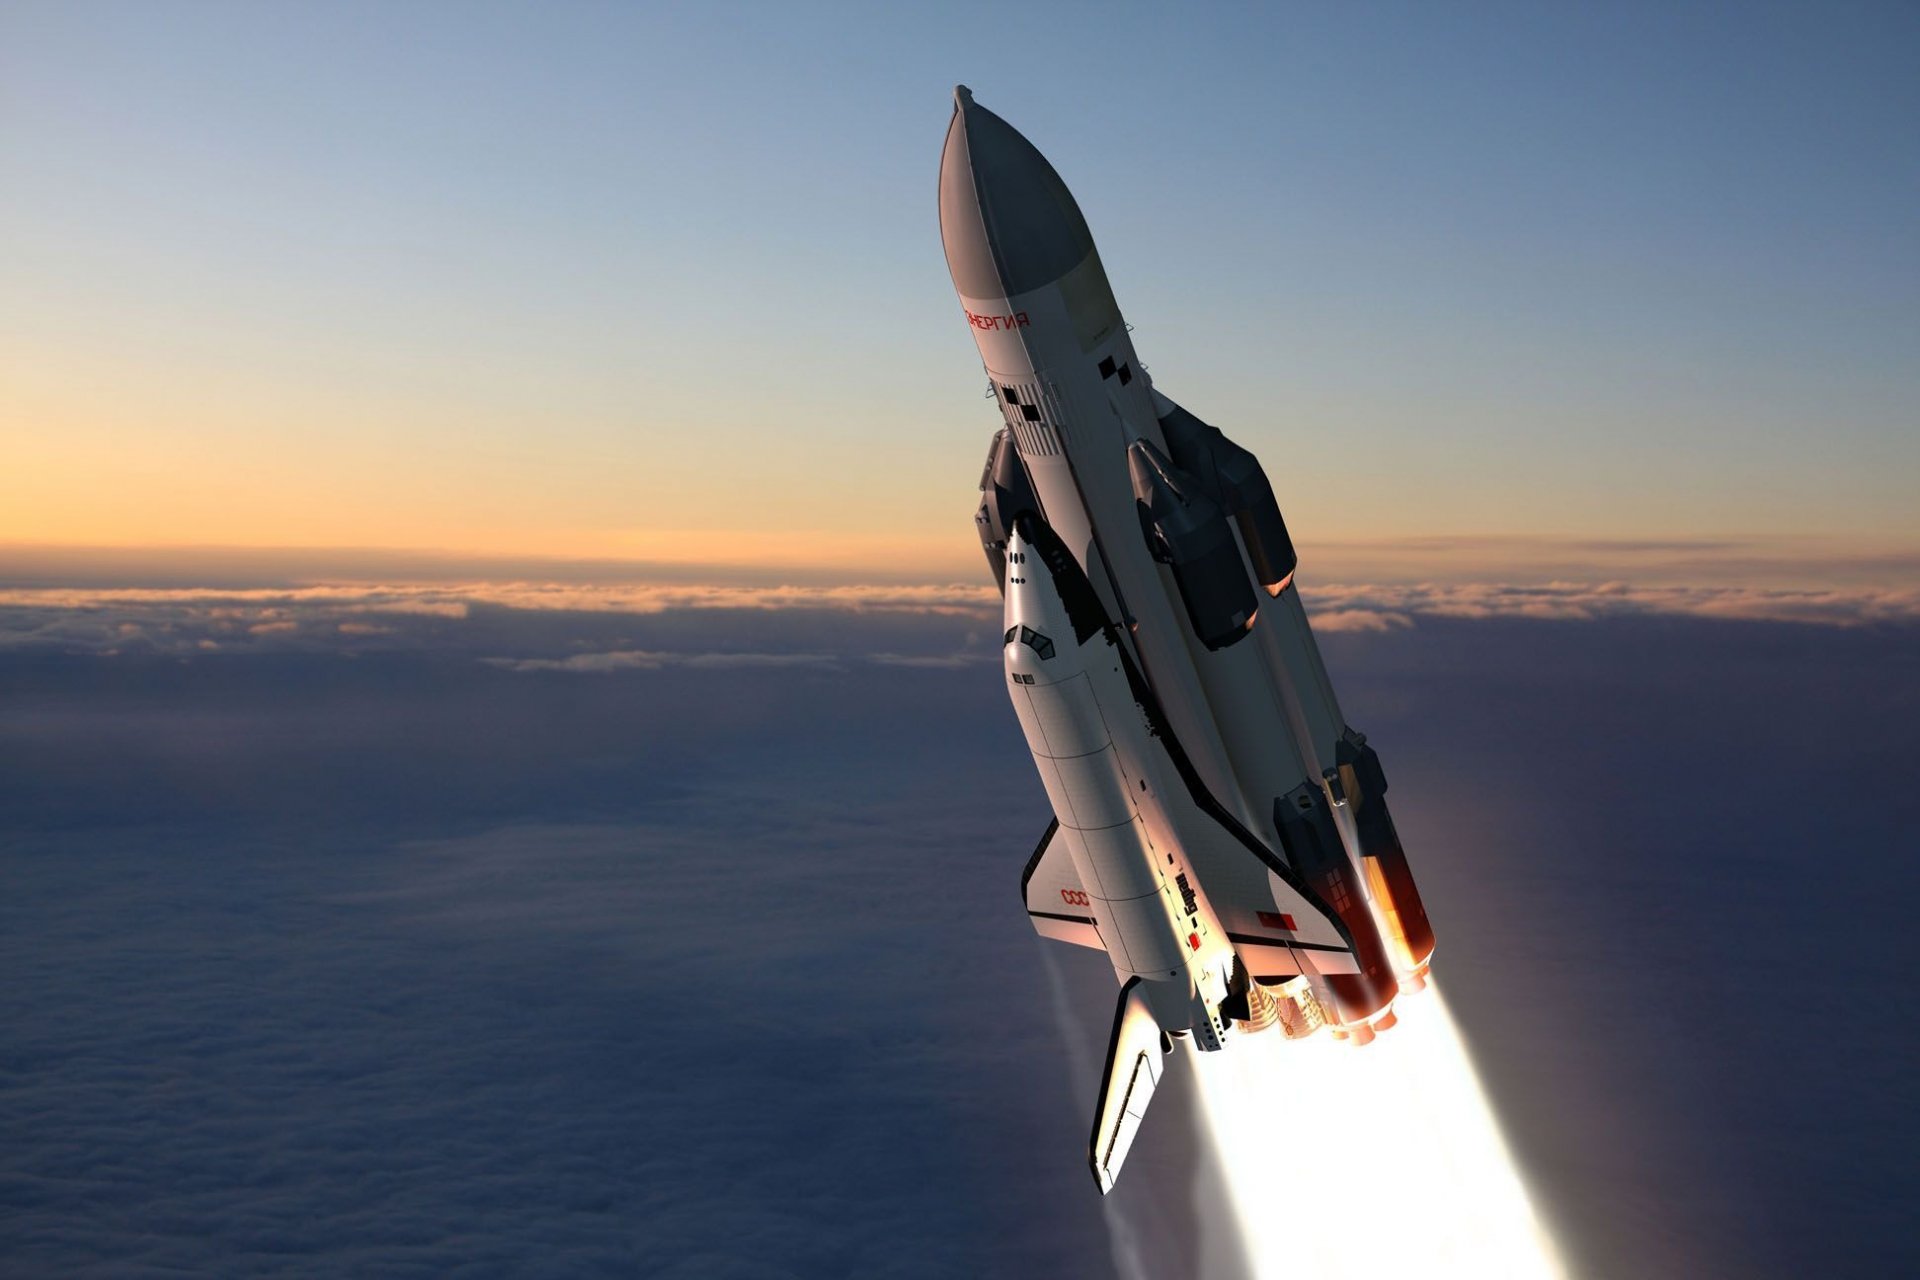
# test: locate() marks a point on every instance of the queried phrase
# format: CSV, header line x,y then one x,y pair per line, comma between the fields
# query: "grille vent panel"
x,y
1035,415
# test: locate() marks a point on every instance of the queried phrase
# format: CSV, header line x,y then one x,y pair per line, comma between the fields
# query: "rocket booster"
x,y
1220,831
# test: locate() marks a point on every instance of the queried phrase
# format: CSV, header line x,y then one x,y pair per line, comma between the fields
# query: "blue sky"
x,y
666,281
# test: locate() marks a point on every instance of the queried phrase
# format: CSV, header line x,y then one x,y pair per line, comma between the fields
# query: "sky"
x,y
502,763
663,283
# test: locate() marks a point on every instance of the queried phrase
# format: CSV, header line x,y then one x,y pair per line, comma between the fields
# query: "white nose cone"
x,y
1008,223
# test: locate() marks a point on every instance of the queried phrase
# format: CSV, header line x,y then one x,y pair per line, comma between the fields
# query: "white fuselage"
x,y
1090,745
1049,346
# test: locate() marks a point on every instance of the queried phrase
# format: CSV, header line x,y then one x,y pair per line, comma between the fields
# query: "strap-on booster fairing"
x,y
1219,831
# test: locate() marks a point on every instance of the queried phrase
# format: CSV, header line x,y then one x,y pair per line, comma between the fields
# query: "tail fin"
x,y
1134,1067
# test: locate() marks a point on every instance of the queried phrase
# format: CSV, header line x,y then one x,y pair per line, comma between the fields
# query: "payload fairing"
x,y
1219,831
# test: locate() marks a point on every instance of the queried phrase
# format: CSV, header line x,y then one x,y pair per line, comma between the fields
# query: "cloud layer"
x,y
686,942
363,618
1377,608
632,616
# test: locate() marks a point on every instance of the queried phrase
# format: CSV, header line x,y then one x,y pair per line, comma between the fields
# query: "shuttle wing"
x,y
1056,903
1275,927
1276,923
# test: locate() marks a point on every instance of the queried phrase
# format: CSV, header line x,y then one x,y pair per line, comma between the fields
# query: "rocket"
x,y
1219,831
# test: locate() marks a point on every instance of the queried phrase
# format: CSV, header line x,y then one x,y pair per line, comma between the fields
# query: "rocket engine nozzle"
x,y
1248,1004
1298,1009
1262,1010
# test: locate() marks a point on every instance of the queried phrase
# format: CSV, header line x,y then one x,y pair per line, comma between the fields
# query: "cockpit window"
x,y
1035,641
1011,633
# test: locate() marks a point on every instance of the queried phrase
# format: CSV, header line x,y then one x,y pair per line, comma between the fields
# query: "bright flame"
x,y
1377,1161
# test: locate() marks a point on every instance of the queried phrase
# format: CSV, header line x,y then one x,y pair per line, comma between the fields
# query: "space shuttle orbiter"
x,y
1219,831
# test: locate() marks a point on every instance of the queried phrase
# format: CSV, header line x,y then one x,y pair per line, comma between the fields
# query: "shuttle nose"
x,y
1035,620
1008,223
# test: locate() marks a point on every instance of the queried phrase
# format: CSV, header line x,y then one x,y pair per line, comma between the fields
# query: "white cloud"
x,y
435,615
650,660
1359,620
940,660
1396,604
